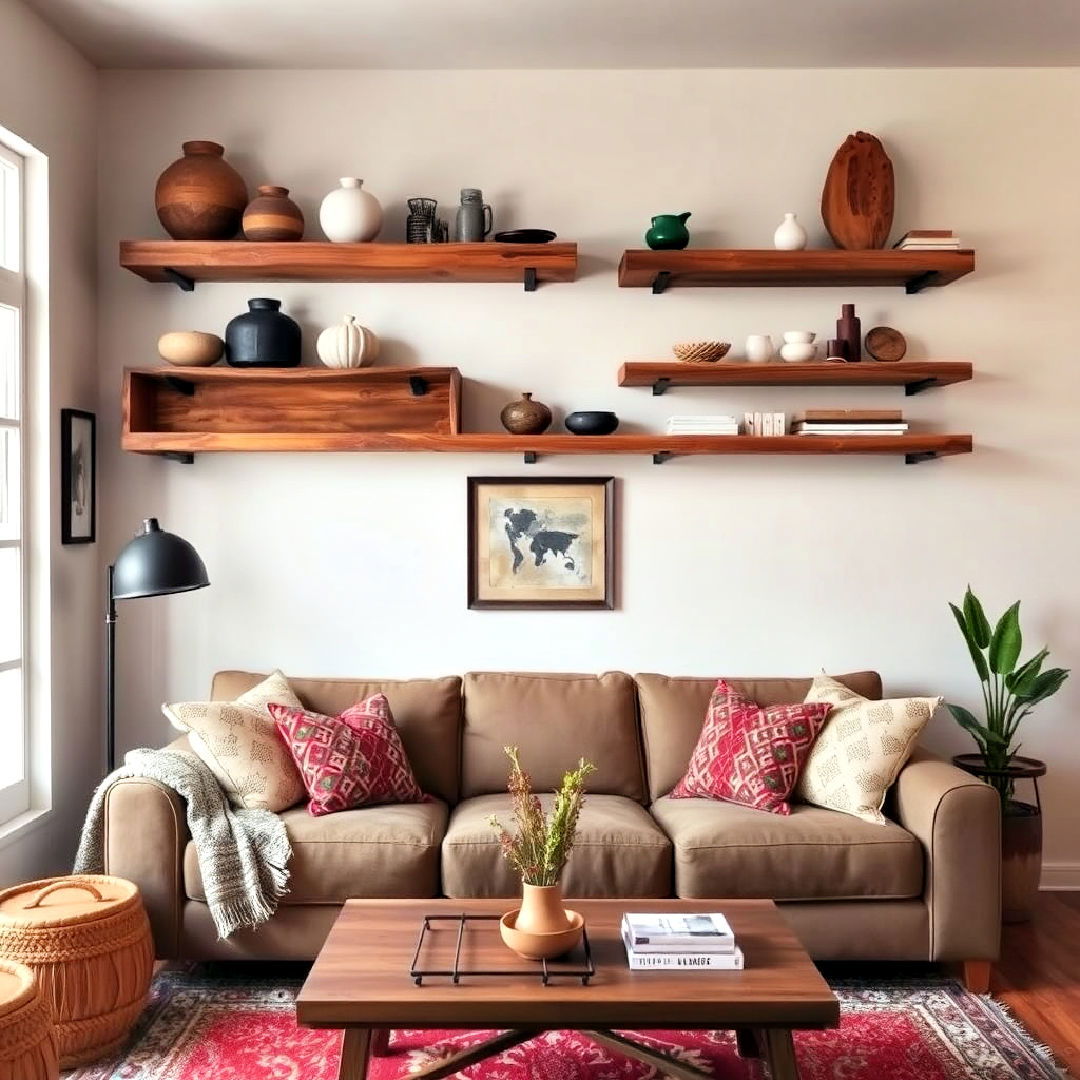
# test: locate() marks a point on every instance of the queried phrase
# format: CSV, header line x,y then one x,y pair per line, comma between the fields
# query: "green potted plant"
x,y
1011,690
538,849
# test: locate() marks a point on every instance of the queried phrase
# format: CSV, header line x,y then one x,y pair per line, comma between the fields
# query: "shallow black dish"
x,y
525,236
591,422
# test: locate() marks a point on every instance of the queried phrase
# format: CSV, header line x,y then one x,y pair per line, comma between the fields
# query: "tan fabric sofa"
x,y
926,887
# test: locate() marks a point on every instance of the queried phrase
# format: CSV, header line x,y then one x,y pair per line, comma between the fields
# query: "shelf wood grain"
x,y
240,261
914,375
914,270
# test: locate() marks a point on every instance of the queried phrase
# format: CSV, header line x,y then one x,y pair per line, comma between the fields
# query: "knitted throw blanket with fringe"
x,y
243,854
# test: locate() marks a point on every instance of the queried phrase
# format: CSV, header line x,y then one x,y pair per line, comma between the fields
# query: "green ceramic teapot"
x,y
668,232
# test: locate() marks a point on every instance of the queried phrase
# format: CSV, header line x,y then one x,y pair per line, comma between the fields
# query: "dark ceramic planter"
x,y
591,422
262,337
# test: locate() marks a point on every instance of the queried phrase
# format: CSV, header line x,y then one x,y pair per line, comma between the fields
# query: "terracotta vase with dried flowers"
x,y
537,849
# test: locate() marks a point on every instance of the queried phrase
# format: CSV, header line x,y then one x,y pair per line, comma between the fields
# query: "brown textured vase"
x,y
273,216
526,417
857,200
201,196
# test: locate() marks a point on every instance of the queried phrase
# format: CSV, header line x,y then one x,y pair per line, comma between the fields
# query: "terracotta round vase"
x,y
272,216
526,417
541,928
201,196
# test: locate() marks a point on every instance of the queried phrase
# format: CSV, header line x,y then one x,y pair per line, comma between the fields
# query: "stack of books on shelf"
x,y
928,240
703,425
688,942
849,422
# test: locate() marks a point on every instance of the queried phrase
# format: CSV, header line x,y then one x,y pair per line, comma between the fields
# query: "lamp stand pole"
x,y
110,676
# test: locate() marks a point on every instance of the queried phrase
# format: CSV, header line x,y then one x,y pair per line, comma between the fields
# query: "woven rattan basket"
x,y
88,940
701,352
27,1036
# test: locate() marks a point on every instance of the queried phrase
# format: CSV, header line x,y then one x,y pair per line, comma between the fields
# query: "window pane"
x,y
10,495
10,605
12,728
10,206
10,365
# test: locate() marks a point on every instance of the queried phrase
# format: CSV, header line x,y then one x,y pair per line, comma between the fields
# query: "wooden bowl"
x,y
541,946
701,352
190,348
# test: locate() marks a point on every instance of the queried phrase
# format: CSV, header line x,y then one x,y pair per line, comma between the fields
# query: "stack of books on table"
x,y
703,425
849,422
928,240
687,941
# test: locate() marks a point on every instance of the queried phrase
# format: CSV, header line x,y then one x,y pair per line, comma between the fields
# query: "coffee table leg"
x,y
779,1053
355,1054
746,1043
380,1042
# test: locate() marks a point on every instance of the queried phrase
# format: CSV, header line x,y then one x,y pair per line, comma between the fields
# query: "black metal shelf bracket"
x,y
530,279
418,385
661,282
660,387
918,386
182,281
184,457
181,386
661,456
529,457
921,455
920,282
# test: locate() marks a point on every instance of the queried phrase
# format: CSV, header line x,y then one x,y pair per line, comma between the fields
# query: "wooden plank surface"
x,y
700,266
239,261
361,976
865,373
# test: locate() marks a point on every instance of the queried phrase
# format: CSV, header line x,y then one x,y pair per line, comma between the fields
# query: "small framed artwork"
x,y
78,476
541,543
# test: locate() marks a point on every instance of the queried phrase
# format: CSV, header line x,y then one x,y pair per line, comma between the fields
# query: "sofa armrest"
x,y
145,836
957,818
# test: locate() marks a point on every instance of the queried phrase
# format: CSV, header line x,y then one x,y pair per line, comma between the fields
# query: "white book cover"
x,y
767,424
748,421
758,430
651,928
779,423
638,961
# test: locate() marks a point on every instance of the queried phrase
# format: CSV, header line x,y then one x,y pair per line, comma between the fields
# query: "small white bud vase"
x,y
759,349
347,345
349,214
790,235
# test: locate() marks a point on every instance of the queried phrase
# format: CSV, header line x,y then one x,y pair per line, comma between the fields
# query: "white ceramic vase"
x,y
759,349
349,214
347,345
790,235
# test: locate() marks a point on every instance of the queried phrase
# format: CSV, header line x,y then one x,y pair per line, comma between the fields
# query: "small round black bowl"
x,y
525,236
591,422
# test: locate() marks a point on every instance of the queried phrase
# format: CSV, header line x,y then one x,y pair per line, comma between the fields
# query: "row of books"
x,y
765,423
928,240
850,422
689,942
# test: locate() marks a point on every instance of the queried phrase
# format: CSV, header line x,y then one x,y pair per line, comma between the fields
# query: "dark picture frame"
x,y
561,570
78,477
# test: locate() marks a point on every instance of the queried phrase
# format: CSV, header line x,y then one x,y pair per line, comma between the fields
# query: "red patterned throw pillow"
x,y
355,759
750,755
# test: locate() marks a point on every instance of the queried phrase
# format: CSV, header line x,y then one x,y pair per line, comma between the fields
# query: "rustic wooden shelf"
x,y
185,262
913,375
914,270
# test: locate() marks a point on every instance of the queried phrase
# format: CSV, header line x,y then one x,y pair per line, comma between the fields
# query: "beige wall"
x,y
354,564
48,97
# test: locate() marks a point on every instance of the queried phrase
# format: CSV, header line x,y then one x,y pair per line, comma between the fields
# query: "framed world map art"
x,y
541,543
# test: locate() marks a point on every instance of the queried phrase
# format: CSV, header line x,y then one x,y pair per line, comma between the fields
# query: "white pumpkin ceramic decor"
x,y
347,345
349,214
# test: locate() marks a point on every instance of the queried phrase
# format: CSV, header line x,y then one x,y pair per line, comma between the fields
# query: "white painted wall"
x,y
355,565
48,97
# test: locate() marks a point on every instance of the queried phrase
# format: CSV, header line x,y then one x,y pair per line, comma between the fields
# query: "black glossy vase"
x,y
591,422
262,337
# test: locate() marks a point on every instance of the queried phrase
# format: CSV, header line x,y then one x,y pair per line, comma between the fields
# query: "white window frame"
x,y
15,798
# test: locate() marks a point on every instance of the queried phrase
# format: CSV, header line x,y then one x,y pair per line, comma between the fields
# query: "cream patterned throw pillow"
x,y
861,749
238,742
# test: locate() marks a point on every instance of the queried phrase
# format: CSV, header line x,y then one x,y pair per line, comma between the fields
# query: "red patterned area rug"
x,y
215,1023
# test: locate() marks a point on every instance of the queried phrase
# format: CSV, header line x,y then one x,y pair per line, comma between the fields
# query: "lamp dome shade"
x,y
155,563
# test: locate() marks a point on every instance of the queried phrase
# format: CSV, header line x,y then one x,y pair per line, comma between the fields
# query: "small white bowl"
x,y
797,352
799,337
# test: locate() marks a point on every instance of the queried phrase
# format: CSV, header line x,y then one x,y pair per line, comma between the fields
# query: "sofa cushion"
x,y
673,711
554,720
620,851
427,713
813,854
373,852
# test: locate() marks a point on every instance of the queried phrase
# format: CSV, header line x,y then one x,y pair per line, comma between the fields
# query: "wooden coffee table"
x,y
360,982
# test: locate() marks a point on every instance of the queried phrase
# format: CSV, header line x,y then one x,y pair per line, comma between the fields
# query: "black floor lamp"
x,y
154,563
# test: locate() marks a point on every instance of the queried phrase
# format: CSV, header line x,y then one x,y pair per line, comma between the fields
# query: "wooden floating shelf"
x,y
185,262
914,375
913,270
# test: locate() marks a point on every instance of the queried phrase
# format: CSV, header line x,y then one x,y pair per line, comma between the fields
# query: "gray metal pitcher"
x,y
474,217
